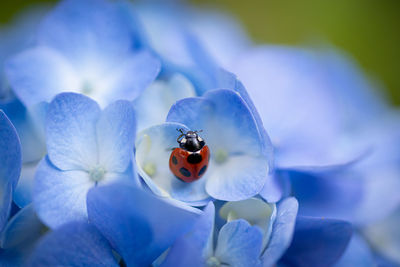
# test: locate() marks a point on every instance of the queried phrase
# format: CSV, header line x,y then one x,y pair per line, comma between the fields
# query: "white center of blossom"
x,y
220,156
150,168
86,88
213,262
97,173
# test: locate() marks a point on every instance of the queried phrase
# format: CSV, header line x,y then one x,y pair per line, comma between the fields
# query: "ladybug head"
x,y
190,140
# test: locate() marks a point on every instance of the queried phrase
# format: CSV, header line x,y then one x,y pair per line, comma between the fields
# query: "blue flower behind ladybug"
x,y
189,161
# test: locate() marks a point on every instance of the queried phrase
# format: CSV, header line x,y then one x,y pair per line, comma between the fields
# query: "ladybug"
x,y
189,161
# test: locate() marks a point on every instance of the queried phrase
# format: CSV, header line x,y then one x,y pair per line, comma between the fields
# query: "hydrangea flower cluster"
x,y
97,96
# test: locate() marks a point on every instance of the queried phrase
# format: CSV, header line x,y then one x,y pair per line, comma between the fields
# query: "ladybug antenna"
x,y
180,130
181,135
199,131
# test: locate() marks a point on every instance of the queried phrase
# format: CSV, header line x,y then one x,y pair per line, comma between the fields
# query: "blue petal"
x,y
239,178
23,194
19,237
360,195
32,145
225,120
13,257
194,248
24,229
39,74
87,32
5,203
32,141
130,219
10,165
15,36
239,244
222,35
253,210
294,104
358,253
10,152
74,244
327,194
384,237
60,196
71,131
227,80
116,131
128,80
276,187
220,111
179,50
162,95
282,231
317,242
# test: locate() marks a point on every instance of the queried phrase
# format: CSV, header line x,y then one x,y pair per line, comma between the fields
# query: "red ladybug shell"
x,y
189,166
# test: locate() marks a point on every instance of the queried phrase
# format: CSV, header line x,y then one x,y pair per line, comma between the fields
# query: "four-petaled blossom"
x,y
238,168
85,47
86,147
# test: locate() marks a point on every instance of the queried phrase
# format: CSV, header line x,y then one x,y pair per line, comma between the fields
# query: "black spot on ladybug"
x,y
174,160
194,158
202,170
184,172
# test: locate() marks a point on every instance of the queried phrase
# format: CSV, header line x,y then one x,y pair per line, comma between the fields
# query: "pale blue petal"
x,y
39,74
317,242
220,33
129,79
282,231
255,211
276,187
356,92
239,244
162,95
89,33
17,35
379,193
116,131
384,236
239,178
139,225
71,131
227,80
294,104
194,248
235,118
220,111
153,149
76,244
358,253
60,196
166,33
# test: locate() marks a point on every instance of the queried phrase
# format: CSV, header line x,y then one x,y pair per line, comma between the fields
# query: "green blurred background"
x,y
367,29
